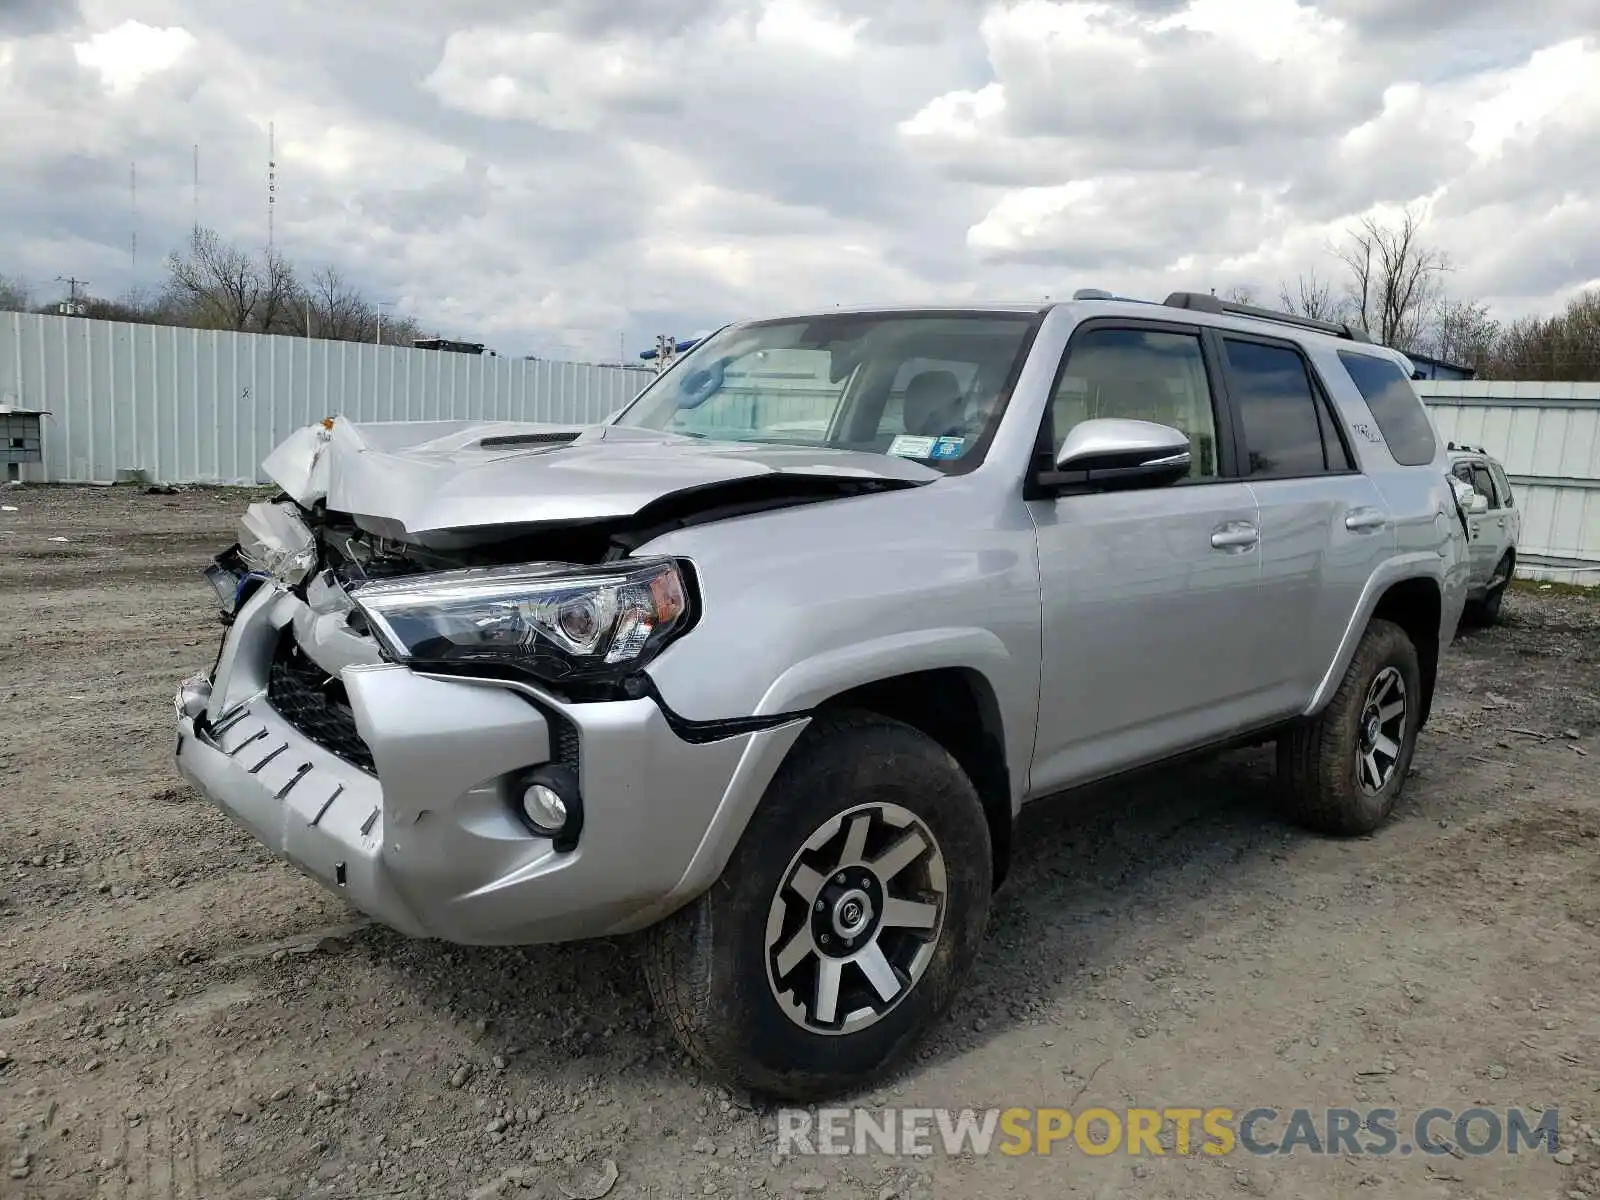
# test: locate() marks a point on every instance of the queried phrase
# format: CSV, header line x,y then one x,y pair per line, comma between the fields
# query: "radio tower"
x,y
272,177
133,223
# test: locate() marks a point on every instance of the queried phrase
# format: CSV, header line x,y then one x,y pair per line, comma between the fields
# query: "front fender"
x,y
810,682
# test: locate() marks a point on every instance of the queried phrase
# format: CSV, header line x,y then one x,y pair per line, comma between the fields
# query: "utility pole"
x,y
378,304
71,307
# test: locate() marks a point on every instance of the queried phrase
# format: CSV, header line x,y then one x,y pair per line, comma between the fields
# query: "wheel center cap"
x,y
852,913
1370,730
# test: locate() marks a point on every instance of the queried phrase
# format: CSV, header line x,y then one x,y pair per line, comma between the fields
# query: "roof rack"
x,y
1204,302
1465,449
1093,293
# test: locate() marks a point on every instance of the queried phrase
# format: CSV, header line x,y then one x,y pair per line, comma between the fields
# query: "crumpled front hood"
x,y
439,475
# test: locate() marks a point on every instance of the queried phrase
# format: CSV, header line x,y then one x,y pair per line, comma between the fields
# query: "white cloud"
x,y
1550,84
795,23
130,53
545,173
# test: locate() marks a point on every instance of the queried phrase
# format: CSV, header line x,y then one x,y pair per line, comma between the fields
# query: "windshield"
x,y
923,386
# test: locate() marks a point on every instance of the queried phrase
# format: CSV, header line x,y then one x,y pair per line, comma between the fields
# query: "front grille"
x,y
315,703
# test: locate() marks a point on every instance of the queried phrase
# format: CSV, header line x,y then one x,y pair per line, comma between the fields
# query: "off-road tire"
x,y
706,965
1317,760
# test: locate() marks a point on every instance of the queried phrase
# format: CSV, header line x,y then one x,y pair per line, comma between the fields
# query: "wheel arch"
x,y
1413,600
957,707
1417,605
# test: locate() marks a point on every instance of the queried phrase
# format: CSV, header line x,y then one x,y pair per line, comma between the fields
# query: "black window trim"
x,y
1221,414
1502,483
1321,401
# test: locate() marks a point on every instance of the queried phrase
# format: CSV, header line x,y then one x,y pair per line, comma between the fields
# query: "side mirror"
x,y
1109,453
1478,504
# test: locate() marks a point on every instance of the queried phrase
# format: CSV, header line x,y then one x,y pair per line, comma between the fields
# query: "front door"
x,y
1151,597
1486,529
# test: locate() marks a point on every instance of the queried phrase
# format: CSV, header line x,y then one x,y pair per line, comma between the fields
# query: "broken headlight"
x,y
556,621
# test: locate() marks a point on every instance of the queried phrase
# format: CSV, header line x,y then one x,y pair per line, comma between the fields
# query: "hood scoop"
x,y
560,438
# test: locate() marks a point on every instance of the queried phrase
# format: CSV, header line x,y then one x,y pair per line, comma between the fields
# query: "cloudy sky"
x,y
551,175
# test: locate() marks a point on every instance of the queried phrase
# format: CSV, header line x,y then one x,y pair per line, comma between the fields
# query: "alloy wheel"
x,y
1382,731
856,919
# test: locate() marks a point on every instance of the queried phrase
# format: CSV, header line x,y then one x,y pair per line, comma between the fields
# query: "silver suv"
x,y
767,664
1494,527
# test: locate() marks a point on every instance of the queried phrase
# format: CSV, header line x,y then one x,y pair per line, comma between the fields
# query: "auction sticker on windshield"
x,y
948,447
907,445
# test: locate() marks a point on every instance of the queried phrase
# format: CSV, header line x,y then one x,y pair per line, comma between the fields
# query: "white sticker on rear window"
x,y
906,445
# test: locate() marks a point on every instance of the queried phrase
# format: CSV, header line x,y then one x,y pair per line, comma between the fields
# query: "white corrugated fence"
x,y
203,406
1548,437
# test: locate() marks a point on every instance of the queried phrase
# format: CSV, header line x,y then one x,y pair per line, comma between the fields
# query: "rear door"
x,y
1508,508
1325,527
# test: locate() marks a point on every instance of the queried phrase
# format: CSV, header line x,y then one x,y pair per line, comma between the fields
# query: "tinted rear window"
x,y
1394,406
1276,406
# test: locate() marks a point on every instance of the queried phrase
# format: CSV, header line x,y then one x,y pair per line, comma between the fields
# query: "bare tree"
x,y
1393,282
1562,347
1311,297
215,283
399,329
1463,332
1239,293
282,299
136,307
15,295
337,310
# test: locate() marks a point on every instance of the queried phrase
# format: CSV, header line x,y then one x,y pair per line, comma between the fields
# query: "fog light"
x,y
548,802
544,808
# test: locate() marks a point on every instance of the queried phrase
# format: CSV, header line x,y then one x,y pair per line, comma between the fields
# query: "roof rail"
x,y
1463,448
1204,302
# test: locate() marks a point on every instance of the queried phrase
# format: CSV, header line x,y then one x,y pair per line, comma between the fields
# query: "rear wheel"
x,y
1343,772
844,922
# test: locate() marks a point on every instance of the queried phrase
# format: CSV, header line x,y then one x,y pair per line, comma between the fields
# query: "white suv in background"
x,y
1494,527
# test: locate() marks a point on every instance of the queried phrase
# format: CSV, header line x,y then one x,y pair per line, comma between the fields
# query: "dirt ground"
x,y
180,1015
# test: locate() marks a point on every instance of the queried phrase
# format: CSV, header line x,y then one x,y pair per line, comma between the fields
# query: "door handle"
x,y
1235,536
1365,520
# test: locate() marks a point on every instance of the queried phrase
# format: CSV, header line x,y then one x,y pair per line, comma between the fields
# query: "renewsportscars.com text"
x,y
1156,1132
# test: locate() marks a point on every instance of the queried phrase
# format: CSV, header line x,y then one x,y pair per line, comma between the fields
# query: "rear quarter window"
x,y
1401,418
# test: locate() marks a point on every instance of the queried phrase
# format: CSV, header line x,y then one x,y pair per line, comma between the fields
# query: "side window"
x,y
1283,429
1142,375
1395,406
1503,484
1484,482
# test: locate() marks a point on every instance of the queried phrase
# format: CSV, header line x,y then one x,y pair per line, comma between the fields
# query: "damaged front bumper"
x,y
404,801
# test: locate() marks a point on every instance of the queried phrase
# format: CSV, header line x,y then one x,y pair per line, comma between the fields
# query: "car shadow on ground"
x,y
1086,869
